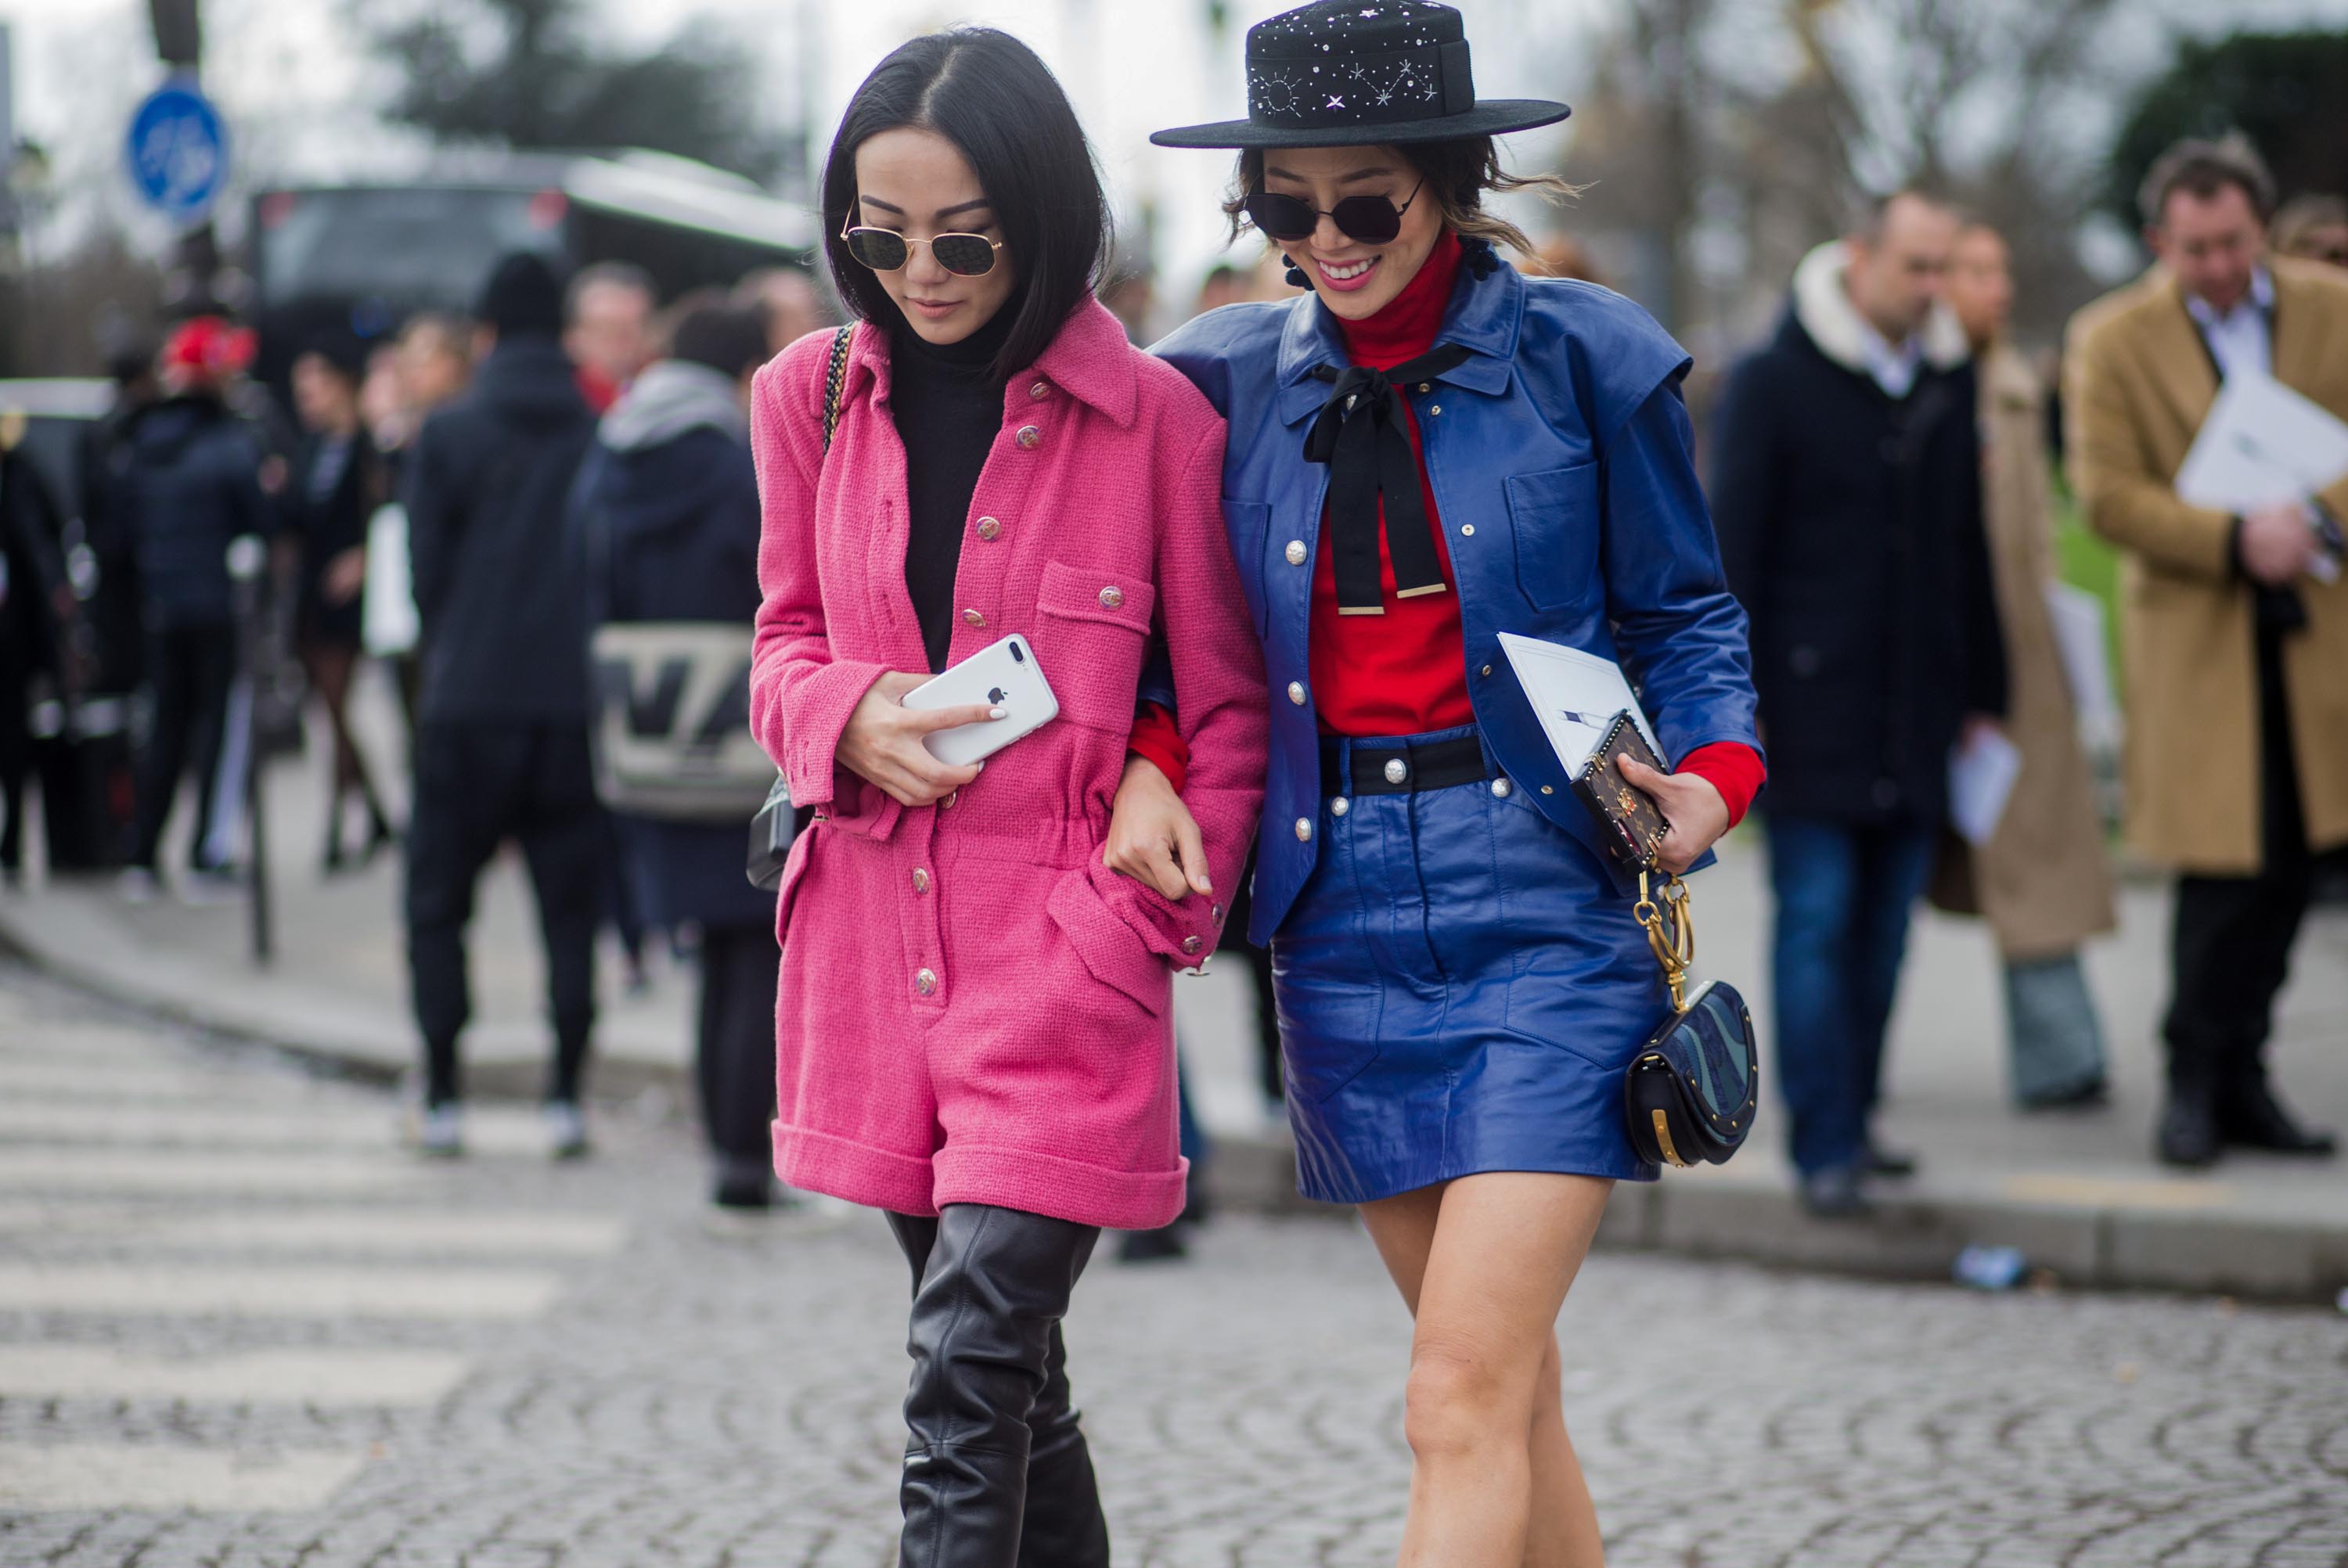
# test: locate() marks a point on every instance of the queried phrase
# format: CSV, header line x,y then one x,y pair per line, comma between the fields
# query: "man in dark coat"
x,y
190,483
1847,492
501,732
666,520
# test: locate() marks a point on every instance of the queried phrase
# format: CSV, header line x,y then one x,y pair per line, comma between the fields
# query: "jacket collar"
x,y
1483,318
1822,309
1091,360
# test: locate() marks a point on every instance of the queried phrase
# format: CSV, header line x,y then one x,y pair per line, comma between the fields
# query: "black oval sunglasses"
x,y
885,249
1372,219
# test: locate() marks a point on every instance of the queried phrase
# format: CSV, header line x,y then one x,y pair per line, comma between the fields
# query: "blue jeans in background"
x,y
2057,1046
1844,894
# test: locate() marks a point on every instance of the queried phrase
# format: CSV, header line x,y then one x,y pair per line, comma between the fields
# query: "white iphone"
x,y
1004,675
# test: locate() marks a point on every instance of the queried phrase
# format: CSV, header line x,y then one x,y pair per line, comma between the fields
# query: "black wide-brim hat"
x,y
1362,73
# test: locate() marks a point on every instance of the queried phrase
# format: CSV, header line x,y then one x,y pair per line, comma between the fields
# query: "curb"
x,y
1732,1214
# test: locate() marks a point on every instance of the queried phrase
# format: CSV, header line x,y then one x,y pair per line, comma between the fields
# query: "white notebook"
x,y
1576,695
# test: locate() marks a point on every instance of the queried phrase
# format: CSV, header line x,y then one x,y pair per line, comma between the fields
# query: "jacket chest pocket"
x,y
1554,514
1091,623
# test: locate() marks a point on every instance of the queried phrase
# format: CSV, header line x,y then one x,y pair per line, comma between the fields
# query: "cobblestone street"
x,y
239,1326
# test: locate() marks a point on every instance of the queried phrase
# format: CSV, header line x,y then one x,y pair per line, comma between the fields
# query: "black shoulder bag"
x,y
772,830
1691,1092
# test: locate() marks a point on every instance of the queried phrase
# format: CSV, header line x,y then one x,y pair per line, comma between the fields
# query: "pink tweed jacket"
x,y
973,1007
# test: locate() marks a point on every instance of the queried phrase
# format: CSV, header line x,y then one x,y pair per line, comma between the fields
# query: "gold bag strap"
x,y
1675,949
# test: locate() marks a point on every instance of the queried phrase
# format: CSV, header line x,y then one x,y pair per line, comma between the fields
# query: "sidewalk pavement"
x,y
2078,1193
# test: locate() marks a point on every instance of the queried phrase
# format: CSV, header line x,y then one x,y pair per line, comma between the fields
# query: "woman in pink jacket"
x,y
973,1032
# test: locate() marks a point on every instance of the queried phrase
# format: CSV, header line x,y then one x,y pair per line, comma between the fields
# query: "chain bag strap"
x,y
1691,1091
772,830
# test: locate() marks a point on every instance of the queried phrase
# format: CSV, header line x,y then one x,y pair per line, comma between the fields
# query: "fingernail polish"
x,y
998,712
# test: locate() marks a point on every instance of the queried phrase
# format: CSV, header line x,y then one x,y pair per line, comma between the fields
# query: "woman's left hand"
x,y
1690,804
1152,836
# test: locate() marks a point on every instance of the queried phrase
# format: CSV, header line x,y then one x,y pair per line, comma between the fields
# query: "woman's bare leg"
x,y
331,669
1484,1263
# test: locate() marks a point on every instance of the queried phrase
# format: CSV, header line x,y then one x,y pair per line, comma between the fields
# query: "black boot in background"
x,y
2190,1136
2252,1117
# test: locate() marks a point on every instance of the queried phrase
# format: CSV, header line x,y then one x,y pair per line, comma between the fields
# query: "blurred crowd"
x,y
470,498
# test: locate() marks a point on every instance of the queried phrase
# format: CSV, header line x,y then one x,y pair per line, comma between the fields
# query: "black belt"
x,y
1385,768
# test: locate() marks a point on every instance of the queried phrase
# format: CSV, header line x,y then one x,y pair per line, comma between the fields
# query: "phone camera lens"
x,y
1018,655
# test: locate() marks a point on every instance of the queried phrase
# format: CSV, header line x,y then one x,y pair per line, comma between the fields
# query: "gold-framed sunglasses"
x,y
886,251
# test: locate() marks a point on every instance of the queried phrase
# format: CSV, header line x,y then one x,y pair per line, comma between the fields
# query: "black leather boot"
x,y
2188,1136
2252,1118
992,1293
1063,1527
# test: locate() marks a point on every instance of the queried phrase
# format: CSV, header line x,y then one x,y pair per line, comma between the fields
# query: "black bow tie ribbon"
x,y
1360,433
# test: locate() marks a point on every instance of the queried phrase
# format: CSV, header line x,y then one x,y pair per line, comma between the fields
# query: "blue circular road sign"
x,y
178,152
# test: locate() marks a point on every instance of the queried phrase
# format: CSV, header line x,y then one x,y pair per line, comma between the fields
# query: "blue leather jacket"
x,y
1559,454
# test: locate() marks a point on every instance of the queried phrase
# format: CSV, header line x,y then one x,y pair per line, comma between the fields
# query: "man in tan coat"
x,y
2235,628
2042,880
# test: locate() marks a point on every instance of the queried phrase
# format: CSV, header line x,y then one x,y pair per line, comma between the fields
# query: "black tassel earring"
x,y
1296,278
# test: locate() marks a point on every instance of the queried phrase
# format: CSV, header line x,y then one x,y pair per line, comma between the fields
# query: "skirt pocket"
x,y
1580,975
1325,979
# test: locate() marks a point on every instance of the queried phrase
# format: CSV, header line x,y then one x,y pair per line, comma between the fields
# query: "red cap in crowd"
x,y
209,347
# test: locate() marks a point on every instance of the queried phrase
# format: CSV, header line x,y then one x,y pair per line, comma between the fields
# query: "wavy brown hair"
x,y
1459,174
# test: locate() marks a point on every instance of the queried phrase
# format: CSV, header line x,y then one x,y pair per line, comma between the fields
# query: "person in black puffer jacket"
x,y
189,484
501,724
666,516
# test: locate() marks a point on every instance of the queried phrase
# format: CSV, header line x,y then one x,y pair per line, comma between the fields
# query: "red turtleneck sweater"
x,y
1406,673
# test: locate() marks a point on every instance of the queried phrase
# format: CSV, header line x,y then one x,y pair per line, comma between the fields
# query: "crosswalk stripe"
x,y
179,1124
489,1233
302,1376
88,1170
93,1121
276,1291
79,1477
108,1079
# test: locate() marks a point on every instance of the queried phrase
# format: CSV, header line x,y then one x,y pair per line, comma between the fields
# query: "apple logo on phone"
x,y
994,695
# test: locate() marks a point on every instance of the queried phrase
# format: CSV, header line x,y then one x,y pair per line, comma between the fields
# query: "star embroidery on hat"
x,y
1336,103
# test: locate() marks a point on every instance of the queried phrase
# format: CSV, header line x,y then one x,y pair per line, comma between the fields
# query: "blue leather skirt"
x,y
1461,989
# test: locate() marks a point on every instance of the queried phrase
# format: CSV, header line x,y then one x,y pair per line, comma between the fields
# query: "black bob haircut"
x,y
992,97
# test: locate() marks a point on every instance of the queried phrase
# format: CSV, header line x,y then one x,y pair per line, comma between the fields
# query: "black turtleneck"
x,y
948,406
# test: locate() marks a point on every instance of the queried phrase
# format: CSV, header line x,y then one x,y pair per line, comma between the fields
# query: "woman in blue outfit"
x,y
1427,451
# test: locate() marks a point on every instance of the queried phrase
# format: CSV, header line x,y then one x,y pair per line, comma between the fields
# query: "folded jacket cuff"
x,y
816,711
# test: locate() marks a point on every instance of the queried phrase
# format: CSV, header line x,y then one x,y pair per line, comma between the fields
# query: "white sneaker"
x,y
136,884
566,1129
440,1132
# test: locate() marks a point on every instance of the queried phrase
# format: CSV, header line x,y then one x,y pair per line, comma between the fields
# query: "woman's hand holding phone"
x,y
882,742
1692,804
1152,836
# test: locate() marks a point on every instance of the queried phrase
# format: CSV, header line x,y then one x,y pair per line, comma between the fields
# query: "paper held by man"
x,y
2262,446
